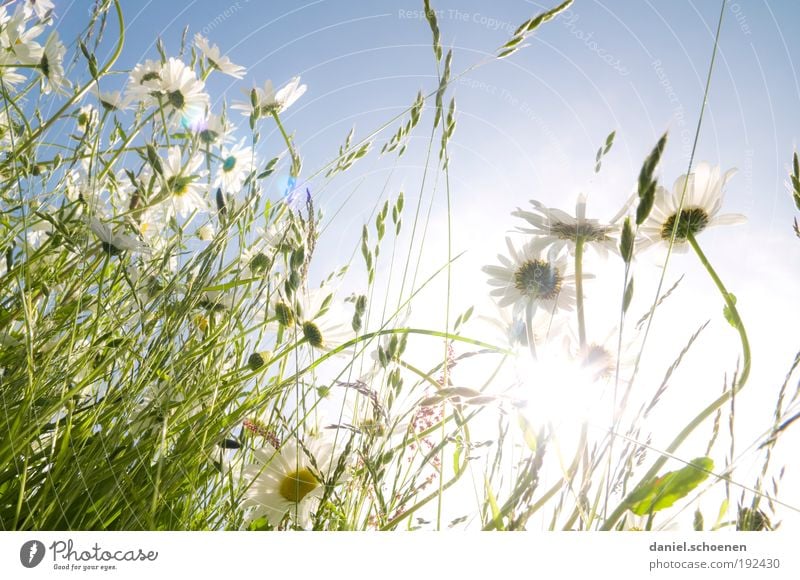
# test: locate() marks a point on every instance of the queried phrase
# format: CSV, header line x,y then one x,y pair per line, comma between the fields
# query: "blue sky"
x,y
529,126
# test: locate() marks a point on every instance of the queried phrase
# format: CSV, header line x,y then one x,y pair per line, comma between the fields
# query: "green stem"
x,y
33,138
292,152
721,400
530,309
579,243
509,506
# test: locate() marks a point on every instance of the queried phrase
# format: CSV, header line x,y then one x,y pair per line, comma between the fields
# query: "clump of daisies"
x,y
569,369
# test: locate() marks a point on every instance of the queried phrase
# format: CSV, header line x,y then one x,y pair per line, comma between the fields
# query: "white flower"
x,y
258,259
153,222
269,101
322,321
41,8
211,129
219,62
140,83
111,100
51,65
6,128
560,229
288,481
114,244
19,40
183,188
8,73
37,233
511,329
206,232
701,206
79,185
181,90
86,117
237,164
530,277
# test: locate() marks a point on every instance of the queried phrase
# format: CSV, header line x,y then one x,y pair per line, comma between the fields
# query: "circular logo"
x,y
31,553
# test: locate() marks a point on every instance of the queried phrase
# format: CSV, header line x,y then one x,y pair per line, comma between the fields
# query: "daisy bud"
x,y
258,359
284,314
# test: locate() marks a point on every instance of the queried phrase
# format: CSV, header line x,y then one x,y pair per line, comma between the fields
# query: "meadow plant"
x,y
172,361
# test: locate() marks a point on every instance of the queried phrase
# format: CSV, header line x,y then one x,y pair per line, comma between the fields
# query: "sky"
x,y
529,127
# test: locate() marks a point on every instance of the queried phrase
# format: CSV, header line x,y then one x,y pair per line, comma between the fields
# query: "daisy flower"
x,y
206,232
183,186
42,8
110,100
237,164
113,243
51,65
531,277
701,207
510,330
269,101
560,229
212,129
140,87
19,40
322,321
256,260
8,73
290,480
86,117
222,63
181,90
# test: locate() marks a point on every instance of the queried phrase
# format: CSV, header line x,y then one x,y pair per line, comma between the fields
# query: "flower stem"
x,y
738,384
530,309
295,171
579,243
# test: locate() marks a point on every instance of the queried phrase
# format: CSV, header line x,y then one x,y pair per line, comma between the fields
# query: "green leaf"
x,y
698,520
269,169
646,200
497,516
527,432
609,142
728,313
626,241
662,492
626,300
723,509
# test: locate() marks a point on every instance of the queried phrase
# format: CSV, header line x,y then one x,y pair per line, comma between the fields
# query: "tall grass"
x,y
171,361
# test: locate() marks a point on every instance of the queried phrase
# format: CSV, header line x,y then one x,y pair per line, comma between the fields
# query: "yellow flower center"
x,y
298,484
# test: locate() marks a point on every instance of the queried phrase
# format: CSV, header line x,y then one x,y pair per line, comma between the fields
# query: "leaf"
x,y
269,169
527,27
527,432
698,520
626,241
662,492
646,200
723,509
626,300
728,313
609,142
497,516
